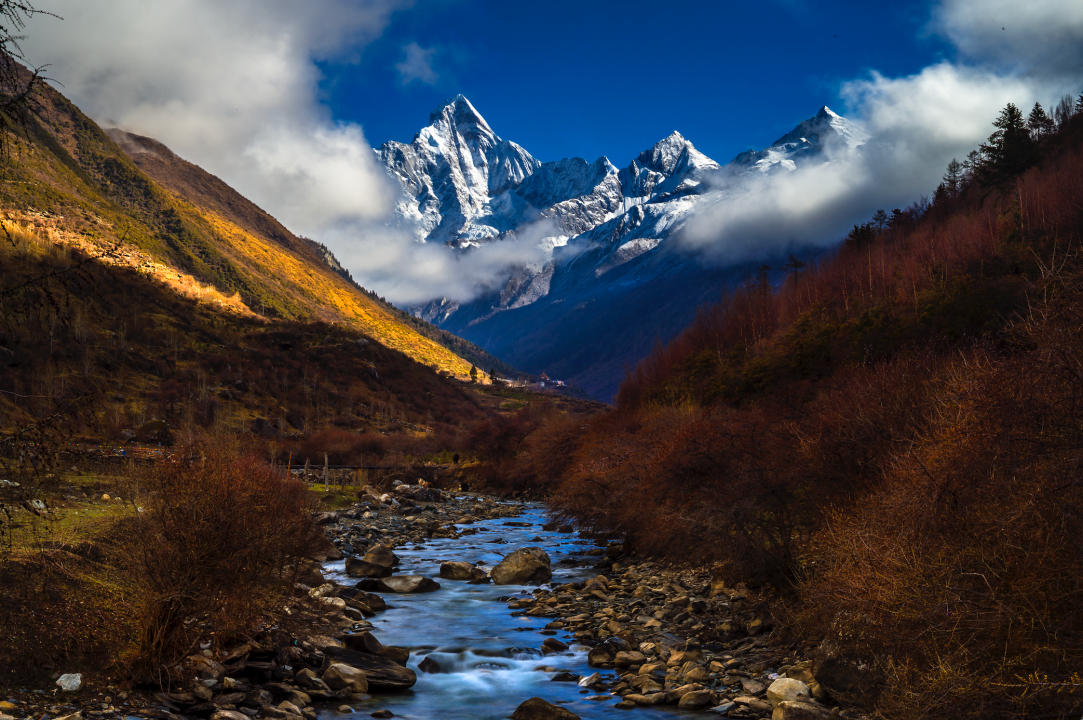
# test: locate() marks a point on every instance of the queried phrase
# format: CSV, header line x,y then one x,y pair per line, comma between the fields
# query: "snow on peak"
x,y
458,112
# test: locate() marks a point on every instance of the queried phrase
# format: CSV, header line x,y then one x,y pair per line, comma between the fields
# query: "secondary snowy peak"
x,y
823,127
810,138
565,179
672,162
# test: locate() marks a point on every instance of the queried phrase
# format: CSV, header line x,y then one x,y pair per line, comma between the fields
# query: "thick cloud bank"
x,y
917,123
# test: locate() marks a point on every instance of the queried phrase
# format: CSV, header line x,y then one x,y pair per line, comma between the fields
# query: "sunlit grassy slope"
x,y
68,177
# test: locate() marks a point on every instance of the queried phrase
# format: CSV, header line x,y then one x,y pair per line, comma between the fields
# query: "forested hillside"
x,y
889,437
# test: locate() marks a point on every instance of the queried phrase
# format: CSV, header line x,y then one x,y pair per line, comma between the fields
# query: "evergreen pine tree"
x,y
879,219
1039,123
1010,149
941,194
473,373
953,178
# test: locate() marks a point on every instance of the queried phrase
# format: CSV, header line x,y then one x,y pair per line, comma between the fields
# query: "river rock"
x,y
364,568
696,699
787,689
364,642
529,564
456,570
627,658
380,555
71,682
537,709
340,676
381,672
229,715
428,665
408,584
396,654
800,710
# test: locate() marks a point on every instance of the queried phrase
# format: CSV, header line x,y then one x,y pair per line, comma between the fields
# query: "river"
x,y
488,658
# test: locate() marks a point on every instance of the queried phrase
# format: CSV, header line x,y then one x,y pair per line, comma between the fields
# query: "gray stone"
x,y
786,689
529,564
71,682
408,584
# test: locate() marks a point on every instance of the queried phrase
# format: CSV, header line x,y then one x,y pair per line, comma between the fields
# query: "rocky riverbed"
x,y
440,605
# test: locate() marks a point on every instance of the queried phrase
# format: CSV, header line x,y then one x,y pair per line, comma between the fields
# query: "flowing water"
x,y
488,658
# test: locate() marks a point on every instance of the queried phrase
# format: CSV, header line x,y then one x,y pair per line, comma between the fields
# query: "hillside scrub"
x,y
888,437
222,539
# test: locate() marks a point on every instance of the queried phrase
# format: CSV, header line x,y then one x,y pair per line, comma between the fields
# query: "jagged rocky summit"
x,y
606,281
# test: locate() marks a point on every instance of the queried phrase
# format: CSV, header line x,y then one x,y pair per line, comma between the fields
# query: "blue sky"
x,y
591,78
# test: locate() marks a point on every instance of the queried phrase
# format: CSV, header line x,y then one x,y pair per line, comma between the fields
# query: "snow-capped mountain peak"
x,y
809,139
458,110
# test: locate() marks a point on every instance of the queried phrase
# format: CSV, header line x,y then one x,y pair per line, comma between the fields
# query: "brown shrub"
x,y
342,447
219,543
960,576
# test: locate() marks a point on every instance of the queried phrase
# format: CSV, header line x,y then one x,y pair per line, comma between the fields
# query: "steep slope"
x,y
192,230
613,284
257,235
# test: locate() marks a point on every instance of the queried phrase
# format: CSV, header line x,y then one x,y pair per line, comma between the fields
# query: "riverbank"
x,y
607,633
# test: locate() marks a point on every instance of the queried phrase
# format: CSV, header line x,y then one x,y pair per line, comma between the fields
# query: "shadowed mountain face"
x,y
613,282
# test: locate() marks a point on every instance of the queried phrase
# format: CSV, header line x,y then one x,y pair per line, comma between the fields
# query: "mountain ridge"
x,y
610,228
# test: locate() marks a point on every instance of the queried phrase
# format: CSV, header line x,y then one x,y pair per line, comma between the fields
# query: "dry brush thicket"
x,y
890,438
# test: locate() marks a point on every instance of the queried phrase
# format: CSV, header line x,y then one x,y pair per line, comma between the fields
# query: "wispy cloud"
x,y
417,65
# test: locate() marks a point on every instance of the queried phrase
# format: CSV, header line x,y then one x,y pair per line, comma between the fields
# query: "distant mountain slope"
x,y
254,232
613,282
187,227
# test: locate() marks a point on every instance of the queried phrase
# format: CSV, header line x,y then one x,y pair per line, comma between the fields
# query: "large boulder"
x,y
455,570
537,709
363,568
380,555
529,564
785,690
340,676
383,674
408,584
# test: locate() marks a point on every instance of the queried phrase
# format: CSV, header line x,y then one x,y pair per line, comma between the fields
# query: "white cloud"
x,y
232,87
918,123
417,65
412,273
